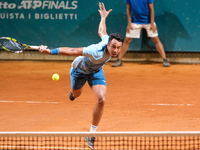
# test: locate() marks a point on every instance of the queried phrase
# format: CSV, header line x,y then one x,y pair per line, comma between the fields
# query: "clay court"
x,y
140,97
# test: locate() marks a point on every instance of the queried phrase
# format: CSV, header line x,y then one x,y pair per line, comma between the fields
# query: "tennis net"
x,y
103,140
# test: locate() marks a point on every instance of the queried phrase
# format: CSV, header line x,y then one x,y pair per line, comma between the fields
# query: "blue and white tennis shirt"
x,y
93,59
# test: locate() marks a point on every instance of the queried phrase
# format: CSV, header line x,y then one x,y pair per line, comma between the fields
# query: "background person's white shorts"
x,y
135,33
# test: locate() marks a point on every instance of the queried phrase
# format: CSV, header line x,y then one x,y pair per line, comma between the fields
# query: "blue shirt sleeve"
x,y
93,50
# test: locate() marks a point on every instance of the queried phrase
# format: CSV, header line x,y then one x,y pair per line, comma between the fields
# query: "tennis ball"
x,y
55,77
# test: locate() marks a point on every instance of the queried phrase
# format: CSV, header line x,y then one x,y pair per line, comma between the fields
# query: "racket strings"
x,y
11,45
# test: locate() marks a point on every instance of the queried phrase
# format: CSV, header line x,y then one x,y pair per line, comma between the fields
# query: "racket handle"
x,y
34,47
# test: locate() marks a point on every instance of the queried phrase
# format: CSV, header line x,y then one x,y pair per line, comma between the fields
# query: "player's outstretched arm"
x,y
102,25
62,51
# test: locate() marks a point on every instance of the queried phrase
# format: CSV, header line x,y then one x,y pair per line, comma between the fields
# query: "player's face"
x,y
114,47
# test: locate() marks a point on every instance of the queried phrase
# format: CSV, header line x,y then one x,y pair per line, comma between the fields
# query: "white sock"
x,y
93,128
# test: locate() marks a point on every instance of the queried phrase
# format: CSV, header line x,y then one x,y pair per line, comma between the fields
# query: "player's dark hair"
x,y
116,36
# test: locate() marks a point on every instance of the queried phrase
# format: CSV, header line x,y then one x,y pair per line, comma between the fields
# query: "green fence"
x,y
74,23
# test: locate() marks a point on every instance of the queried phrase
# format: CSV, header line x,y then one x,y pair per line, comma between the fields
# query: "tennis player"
x,y
89,67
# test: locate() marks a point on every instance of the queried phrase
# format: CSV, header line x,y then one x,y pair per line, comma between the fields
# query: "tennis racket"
x,y
12,45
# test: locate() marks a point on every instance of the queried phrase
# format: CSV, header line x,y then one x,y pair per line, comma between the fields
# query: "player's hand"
x,y
129,27
44,49
153,28
102,10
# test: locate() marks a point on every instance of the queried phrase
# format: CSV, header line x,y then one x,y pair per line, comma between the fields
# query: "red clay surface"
x,y
140,97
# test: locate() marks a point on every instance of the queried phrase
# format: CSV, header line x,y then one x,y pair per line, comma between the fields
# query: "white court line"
x,y
29,102
38,102
160,104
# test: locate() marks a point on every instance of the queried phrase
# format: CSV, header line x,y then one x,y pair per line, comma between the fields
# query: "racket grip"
x,y
34,47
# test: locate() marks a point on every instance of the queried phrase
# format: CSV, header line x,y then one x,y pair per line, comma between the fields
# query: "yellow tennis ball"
x,y
55,77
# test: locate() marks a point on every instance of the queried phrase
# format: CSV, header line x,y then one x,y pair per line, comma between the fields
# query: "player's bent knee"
x,y
101,102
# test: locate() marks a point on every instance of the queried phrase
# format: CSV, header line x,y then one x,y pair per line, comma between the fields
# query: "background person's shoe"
x,y
117,63
166,63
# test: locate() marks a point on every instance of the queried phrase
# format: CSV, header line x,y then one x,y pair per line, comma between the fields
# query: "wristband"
x,y
55,51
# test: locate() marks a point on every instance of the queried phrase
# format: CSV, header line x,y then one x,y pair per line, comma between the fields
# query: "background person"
x,y
140,14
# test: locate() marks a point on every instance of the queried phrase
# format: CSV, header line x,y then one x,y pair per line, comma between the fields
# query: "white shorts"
x,y
135,33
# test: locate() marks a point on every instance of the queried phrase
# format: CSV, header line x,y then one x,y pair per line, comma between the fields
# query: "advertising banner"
x,y
74,23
